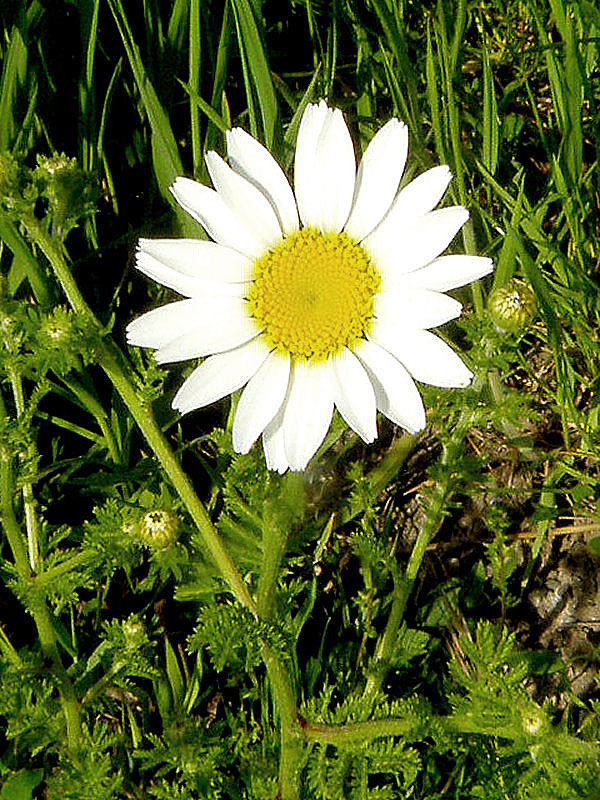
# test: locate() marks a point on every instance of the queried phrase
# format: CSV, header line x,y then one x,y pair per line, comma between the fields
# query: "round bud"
x,y
158,528
512,306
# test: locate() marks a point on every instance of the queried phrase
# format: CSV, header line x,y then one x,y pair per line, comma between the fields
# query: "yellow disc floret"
x,y
313,294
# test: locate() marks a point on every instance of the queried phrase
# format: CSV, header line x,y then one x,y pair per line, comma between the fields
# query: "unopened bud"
x,y
512,306
158,528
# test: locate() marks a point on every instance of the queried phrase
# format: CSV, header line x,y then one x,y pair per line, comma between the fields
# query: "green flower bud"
x,y
134,632
512,306
158,528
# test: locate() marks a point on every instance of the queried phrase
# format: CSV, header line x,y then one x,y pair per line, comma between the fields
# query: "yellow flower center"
x,y
313,294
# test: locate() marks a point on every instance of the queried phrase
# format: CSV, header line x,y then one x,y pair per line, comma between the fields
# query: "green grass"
x,y
372,628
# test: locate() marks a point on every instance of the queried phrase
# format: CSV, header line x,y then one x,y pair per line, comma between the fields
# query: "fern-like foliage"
x,y
233,637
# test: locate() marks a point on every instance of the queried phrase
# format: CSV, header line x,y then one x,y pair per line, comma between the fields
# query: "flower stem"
x,y
357,732
275,538
292,739
31,519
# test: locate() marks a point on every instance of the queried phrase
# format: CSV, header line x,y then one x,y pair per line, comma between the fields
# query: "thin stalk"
x,y
14,535
31,518
357,732
419,729
112,362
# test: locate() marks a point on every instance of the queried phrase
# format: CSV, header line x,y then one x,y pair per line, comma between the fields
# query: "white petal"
x,y
186,284
426,357
448,272
198,259
261,400
308,411
398,249
414,308
220,375
325,169
165,323
309,131
353,395
221,326
247,203
209,208
377,180
396,394
273,444
421,195
254,162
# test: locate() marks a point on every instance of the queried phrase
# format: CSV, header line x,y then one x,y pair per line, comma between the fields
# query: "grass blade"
x,y
257,75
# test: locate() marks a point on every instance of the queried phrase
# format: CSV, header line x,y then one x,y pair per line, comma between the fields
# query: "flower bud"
x,y
158,528
512,306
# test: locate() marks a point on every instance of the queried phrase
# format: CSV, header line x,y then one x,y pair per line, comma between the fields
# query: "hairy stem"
x,y
292,737
275,537
31,519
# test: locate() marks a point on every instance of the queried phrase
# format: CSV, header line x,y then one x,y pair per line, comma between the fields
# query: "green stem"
x,y
454,724
10,525
112,362
68,696
292,737
194,84
274,545
357,732
153,435
31,518
275,539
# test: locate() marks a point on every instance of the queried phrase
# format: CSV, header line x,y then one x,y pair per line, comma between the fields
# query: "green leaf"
x,y
491,123
14,72
174,675
257,74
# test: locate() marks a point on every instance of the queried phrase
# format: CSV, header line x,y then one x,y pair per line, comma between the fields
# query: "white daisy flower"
x,y
316,301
